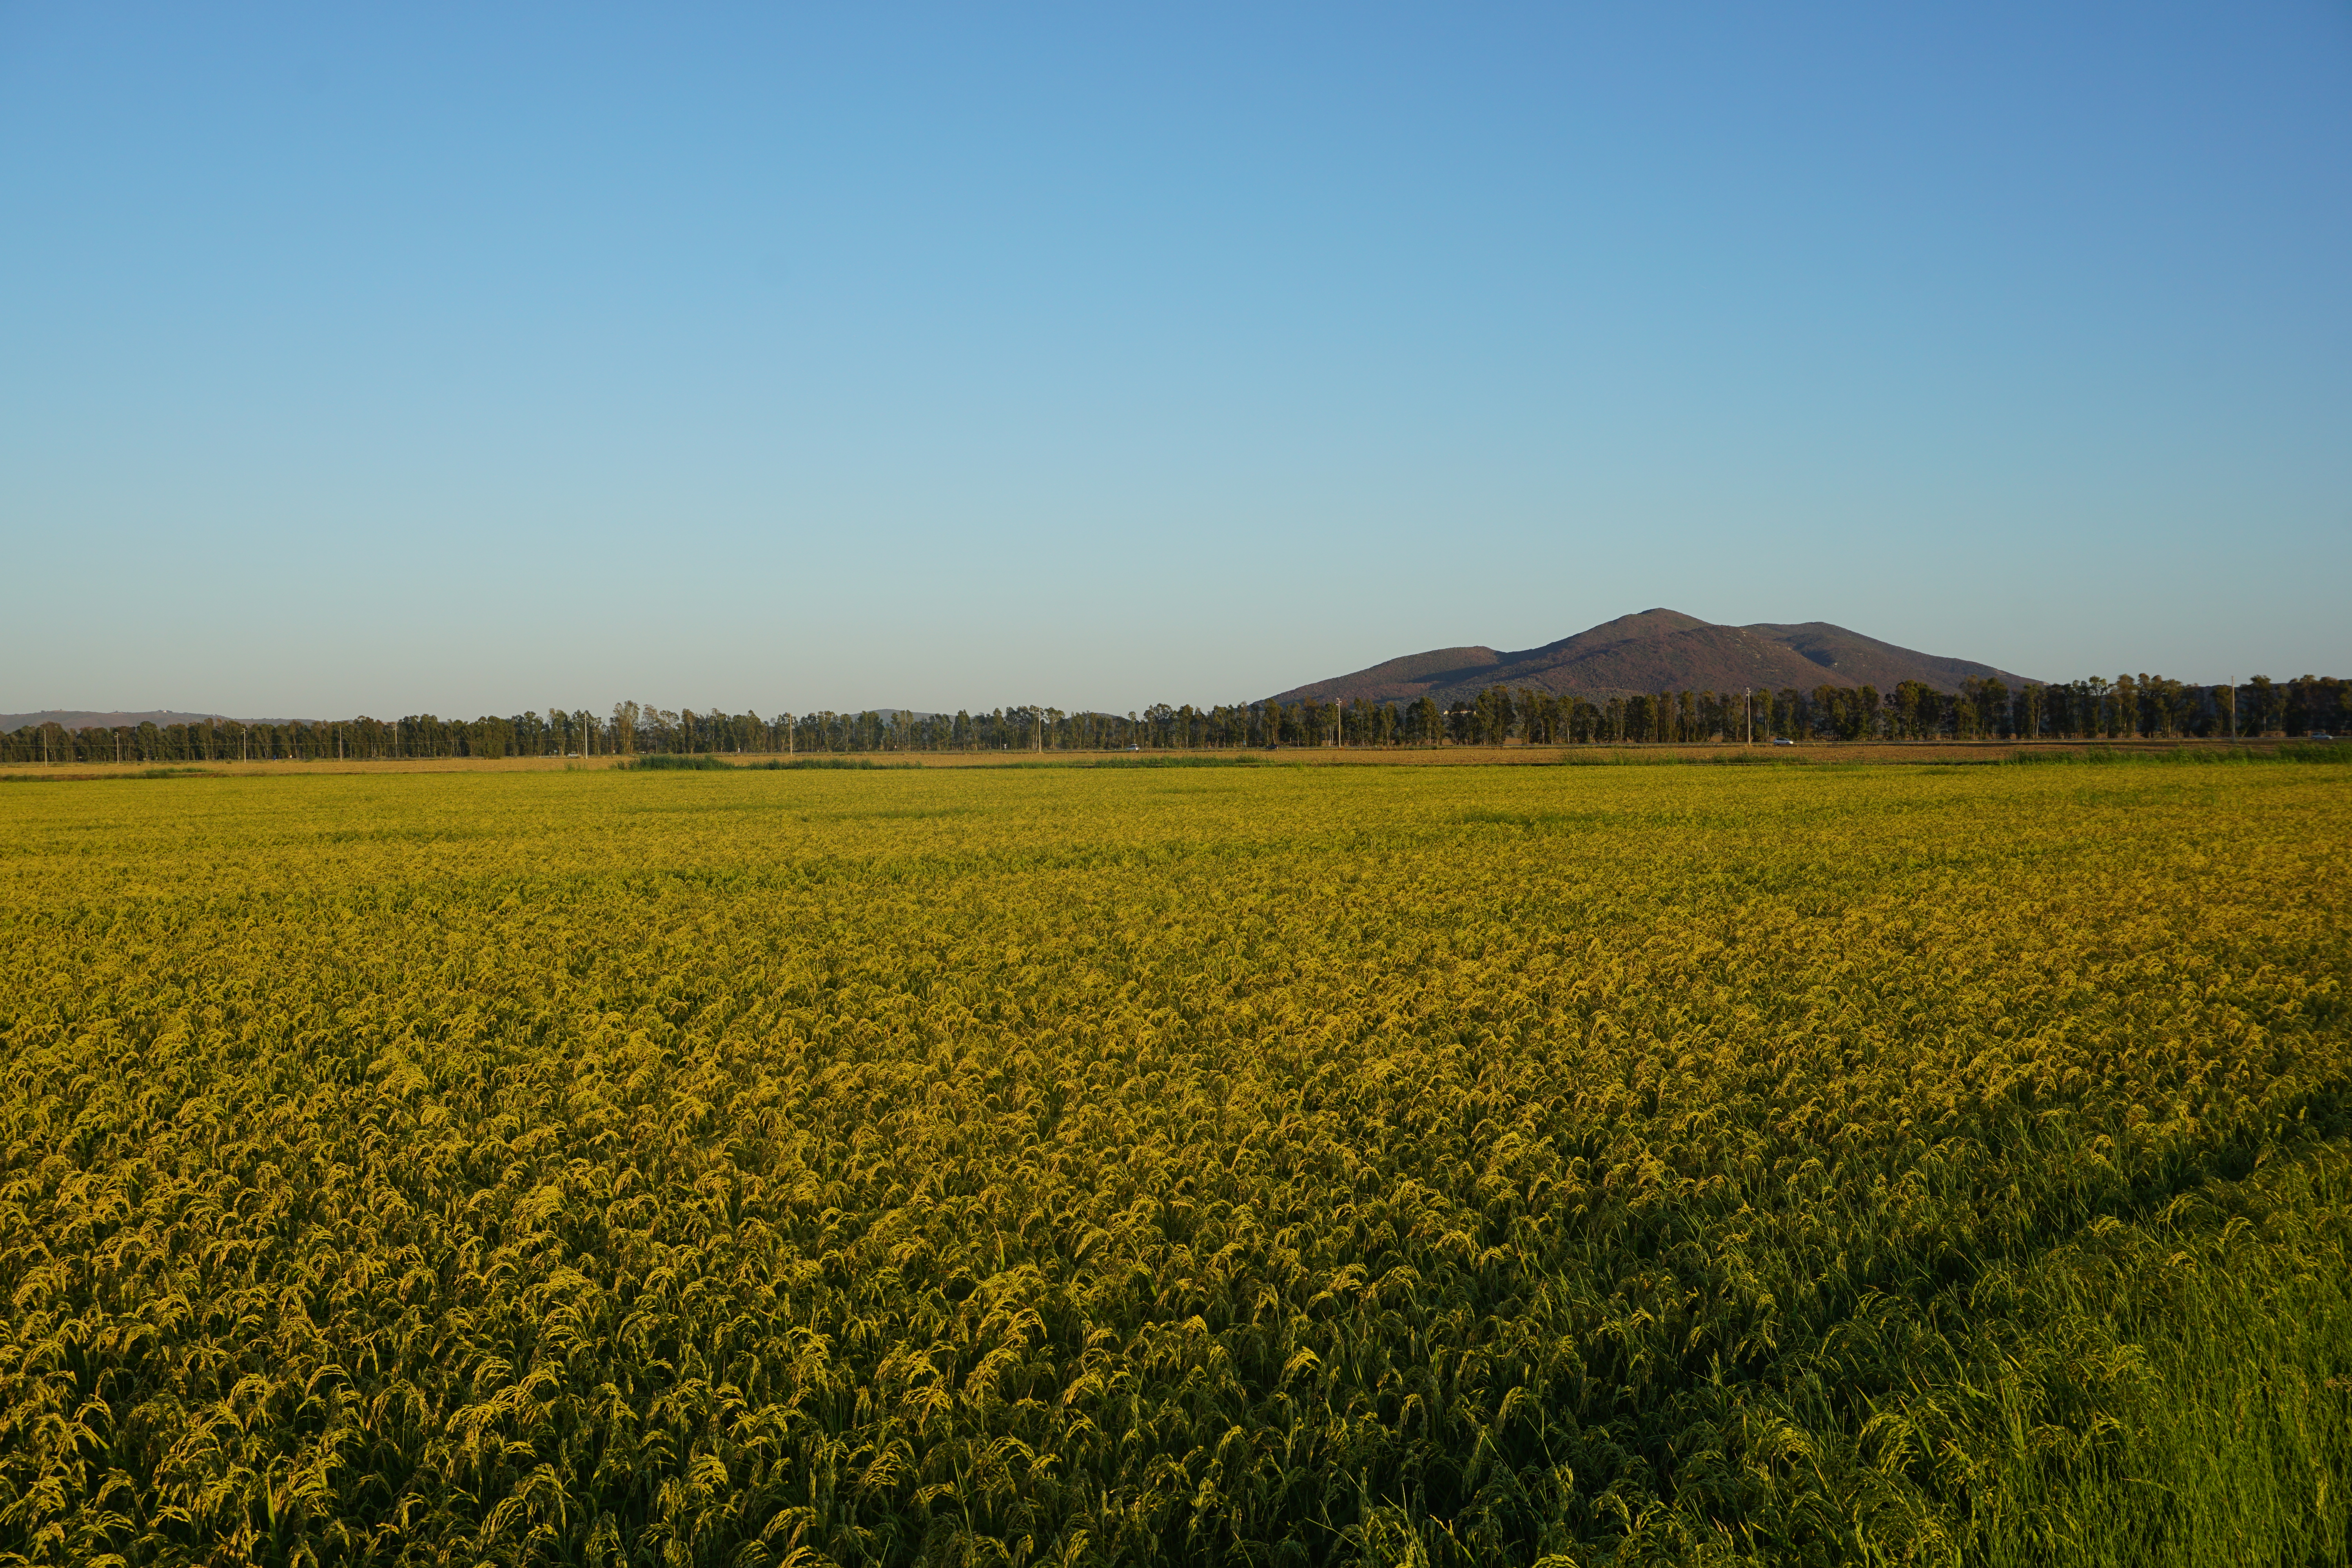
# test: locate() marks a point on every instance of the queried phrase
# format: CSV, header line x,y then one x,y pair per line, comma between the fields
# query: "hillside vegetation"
x,y
1659,650
1240,1165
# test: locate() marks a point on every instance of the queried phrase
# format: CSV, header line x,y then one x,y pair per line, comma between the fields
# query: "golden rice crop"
x,y
1252,1166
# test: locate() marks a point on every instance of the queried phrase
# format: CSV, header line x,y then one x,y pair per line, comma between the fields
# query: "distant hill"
x,y
1657,650
76,718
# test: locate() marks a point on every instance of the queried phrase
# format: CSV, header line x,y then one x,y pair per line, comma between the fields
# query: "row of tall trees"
x,y
2142,706
2128,706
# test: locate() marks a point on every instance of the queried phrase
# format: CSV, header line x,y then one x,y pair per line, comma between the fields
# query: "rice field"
x,y
1264,1165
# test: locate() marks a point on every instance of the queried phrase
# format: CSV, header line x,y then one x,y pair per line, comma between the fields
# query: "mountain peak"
x,y
1650,622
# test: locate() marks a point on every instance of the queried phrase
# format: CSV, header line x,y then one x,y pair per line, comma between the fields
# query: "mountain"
x,y
1657,650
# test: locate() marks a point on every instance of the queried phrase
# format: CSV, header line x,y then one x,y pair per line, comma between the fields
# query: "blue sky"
x,y
474,359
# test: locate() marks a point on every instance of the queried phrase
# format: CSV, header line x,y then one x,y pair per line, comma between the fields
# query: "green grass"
x,y
675,761
166,773
2320,752
1180,760
827,764
1067,761
2177,1391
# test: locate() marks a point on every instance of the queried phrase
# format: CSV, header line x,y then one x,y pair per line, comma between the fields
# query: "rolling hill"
x,y
1657,650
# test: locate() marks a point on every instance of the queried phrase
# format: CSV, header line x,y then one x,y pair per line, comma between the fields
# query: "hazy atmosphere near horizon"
x,y
470,360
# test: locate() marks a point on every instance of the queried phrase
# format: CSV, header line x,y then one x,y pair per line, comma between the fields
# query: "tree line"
x,y
2096,709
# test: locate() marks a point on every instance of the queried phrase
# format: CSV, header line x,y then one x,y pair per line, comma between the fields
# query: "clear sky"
x,y
476,358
